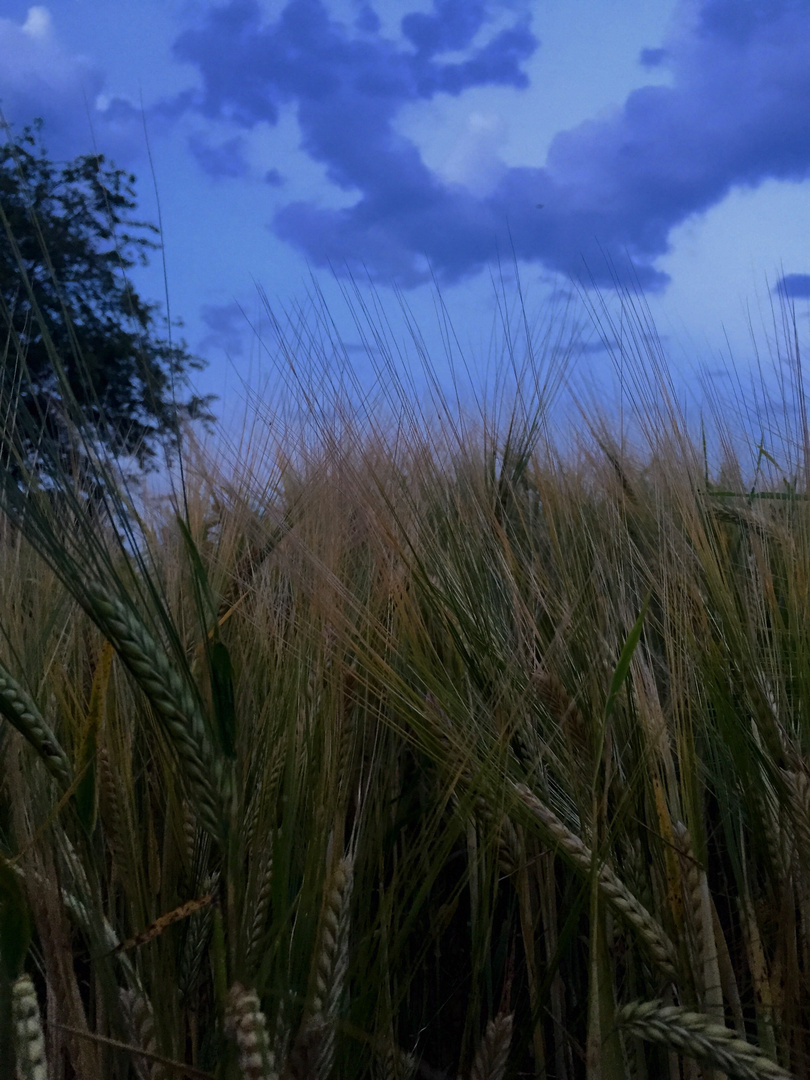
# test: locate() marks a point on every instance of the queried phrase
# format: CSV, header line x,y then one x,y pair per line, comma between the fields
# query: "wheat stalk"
x,y
29,1039
19,709
171,697
700,1037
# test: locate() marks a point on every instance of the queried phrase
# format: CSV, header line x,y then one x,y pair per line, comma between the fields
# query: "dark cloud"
x,y
349,90
227,328
613,189
652,58
452,25
793,286
225,160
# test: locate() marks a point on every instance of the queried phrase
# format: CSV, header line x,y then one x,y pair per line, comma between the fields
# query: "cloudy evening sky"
x,y
399,139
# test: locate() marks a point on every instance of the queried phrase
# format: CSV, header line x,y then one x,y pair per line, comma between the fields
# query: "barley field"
x,y
415,742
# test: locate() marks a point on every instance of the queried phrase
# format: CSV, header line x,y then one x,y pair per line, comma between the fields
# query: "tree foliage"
x,y
85,360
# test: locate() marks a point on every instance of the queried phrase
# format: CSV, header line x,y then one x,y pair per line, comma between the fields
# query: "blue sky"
x,y
410,139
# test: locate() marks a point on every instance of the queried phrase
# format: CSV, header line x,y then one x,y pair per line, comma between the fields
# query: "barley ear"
x,y
799,788
19,709
172,698
700,924
332,955
262,904
246,1023
140,1021
631,910
700,1037
29,1039
394,1063
493,1053
313,1052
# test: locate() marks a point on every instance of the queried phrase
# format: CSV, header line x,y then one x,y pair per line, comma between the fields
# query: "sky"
x,y
573,146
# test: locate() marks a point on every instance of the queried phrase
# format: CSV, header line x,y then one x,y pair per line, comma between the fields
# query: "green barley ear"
x,y
627,906
332,954
29,1039
19,709
700,1037
217,655
172,698
313,1052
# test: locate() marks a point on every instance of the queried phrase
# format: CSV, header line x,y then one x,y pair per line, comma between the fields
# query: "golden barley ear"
x,y
564,711
29,1038
247,1025
699,925
332,955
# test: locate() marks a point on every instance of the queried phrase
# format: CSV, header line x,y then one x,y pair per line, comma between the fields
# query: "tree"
x,y
83,361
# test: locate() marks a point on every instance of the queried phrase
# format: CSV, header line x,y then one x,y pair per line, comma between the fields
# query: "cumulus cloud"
x,y
348,86
40,77
474,159
612,189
